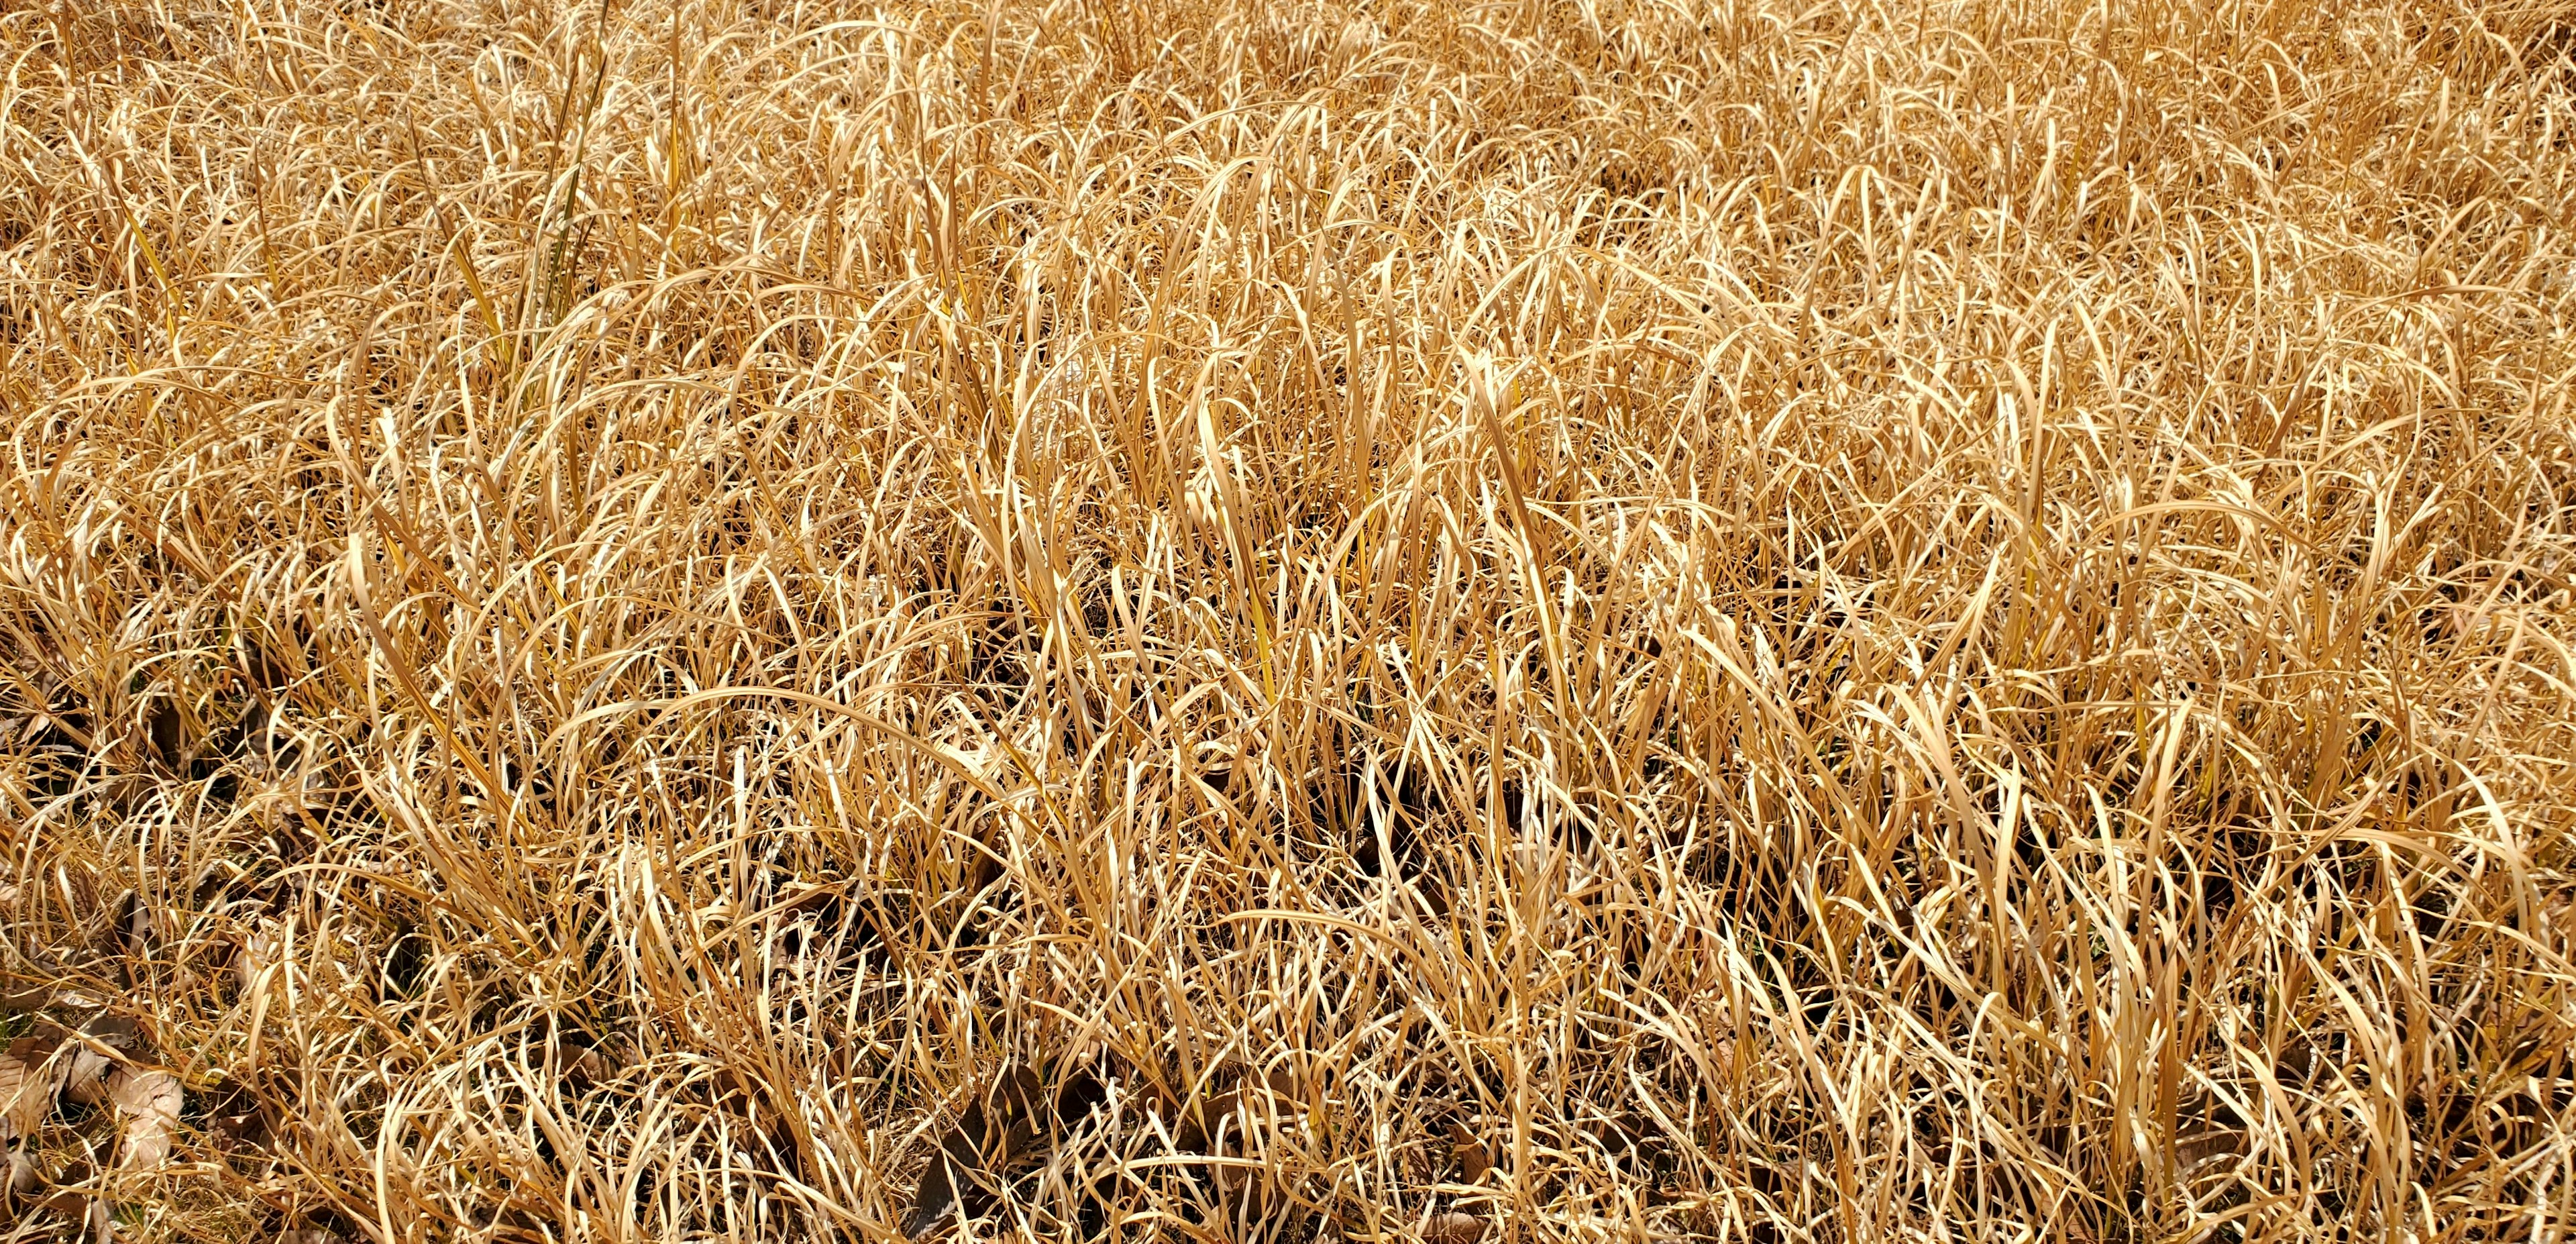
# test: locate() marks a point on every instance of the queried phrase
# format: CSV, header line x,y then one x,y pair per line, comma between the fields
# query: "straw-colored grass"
x,y
1407,620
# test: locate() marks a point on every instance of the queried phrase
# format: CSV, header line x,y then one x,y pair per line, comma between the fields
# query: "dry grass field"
x,y
1409,621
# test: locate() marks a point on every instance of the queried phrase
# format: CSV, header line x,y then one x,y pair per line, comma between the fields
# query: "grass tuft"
x,y
1193,619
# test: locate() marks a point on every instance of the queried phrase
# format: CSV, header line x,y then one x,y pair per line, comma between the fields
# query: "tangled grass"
x,y
1559,619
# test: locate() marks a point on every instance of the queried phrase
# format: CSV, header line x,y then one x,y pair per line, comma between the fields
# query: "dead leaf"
x,y
30,1079
238,1131
258,952
2203,1148
956,1180
120,1032
27,998
93,1063
149,1101
61,1195
84,1074
133,929
1266,1095
2298,1062
166,728
1454,1227
1000,1130
235,1115
1471,1152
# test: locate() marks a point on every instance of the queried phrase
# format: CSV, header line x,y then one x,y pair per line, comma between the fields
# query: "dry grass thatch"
x,y
1215,619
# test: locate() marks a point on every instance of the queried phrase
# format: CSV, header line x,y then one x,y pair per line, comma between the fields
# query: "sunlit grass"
x,y
1408,621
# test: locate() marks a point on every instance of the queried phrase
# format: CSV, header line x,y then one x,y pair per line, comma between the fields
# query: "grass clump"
x,y
1193,619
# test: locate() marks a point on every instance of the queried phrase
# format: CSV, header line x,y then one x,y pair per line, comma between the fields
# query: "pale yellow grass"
x,y
1551,620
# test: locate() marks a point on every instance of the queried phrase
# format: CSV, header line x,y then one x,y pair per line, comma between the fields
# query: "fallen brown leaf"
x,y
1454,1227
1015,1119
30,1079
2201,1149
1470,1151
149,1102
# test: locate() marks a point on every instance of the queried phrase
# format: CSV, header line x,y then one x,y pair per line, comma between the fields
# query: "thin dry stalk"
x,y
1194,619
